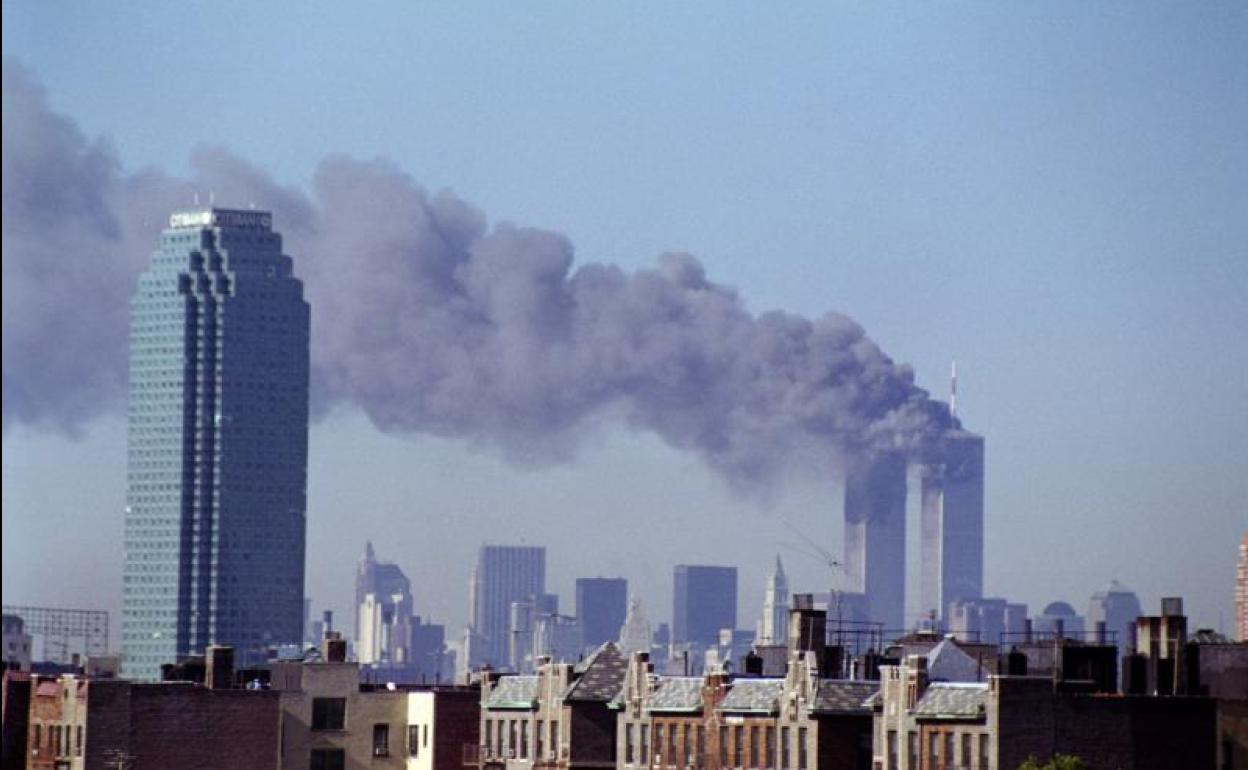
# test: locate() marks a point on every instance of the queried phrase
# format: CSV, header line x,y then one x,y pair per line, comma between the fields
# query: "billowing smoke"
x,y
431,319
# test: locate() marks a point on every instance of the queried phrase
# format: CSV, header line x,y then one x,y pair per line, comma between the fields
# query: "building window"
x,y
425,731
912,746
983,750
802,762
645,744
381,739
328,759
754,746
785,756
629,736
892,751
967,759
933,749
329,713
512,739
658,744
524,739
413,740
699,756
79,752
948,752
538,740
738,745
771,747
723,746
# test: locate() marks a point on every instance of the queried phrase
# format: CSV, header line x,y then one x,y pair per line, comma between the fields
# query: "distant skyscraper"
x,y
601,605
1117,607
1059,619
504,574
951,525
1241,592
773,626
635,633
704,601
383,611
875,536
218,444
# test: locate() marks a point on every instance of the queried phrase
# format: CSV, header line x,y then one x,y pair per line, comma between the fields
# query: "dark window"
x,y
658,744
723,746
381,739
539,740
645,744
771,747
328,759
629,734
912,747
79,752
413,740
738,745
801,749
329,713
754,746
785,756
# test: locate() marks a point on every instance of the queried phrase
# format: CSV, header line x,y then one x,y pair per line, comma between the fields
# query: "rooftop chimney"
x,y
334,648
219,662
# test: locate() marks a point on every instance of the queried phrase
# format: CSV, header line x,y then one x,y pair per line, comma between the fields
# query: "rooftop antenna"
x,y
953,389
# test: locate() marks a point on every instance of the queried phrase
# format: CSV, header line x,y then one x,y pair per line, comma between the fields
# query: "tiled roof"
x,y
513,692
836,696
676,693
949,700
603,674
753,695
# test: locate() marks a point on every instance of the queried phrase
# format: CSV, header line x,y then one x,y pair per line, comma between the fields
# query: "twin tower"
x,y
951,530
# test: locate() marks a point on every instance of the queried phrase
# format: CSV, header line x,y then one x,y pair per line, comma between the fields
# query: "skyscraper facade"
x,y
951,525
601,606
218,444
1241,592
704,601
774,624
504,574
1117,607
875,536
383,611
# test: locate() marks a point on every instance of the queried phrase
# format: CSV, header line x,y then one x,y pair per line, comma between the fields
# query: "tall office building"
x,y
704,601
1117,607
504,574
951,525
601,606
383,611
1241,592
875,536
218,444
773,626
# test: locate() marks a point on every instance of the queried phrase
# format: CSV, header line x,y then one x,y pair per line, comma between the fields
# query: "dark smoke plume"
x,y
432,320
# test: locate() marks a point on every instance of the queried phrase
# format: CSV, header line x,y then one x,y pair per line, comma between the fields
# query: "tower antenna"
x,y
953,389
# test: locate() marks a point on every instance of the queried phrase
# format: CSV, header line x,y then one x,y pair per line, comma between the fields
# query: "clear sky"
x,y
1054,194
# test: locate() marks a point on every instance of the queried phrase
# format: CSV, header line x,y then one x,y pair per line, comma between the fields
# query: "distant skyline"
x,y
1053,195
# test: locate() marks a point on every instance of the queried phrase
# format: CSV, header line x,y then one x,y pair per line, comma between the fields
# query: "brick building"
x,y
796,722
88,723
559,717
998,724
443,727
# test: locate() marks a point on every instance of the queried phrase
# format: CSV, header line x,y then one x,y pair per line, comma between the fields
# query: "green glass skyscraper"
x,y
218,444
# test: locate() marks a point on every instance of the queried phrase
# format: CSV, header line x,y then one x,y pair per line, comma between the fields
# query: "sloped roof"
x,y
949,663
753,695
676,693
513,692
602,675
952,700
839,696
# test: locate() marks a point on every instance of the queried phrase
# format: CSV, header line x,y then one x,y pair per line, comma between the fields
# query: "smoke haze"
x,y
431,319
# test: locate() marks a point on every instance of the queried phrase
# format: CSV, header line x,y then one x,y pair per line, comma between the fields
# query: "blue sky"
x,y
1053,194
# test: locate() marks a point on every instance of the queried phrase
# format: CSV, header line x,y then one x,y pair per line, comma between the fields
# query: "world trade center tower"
x,y
218,444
